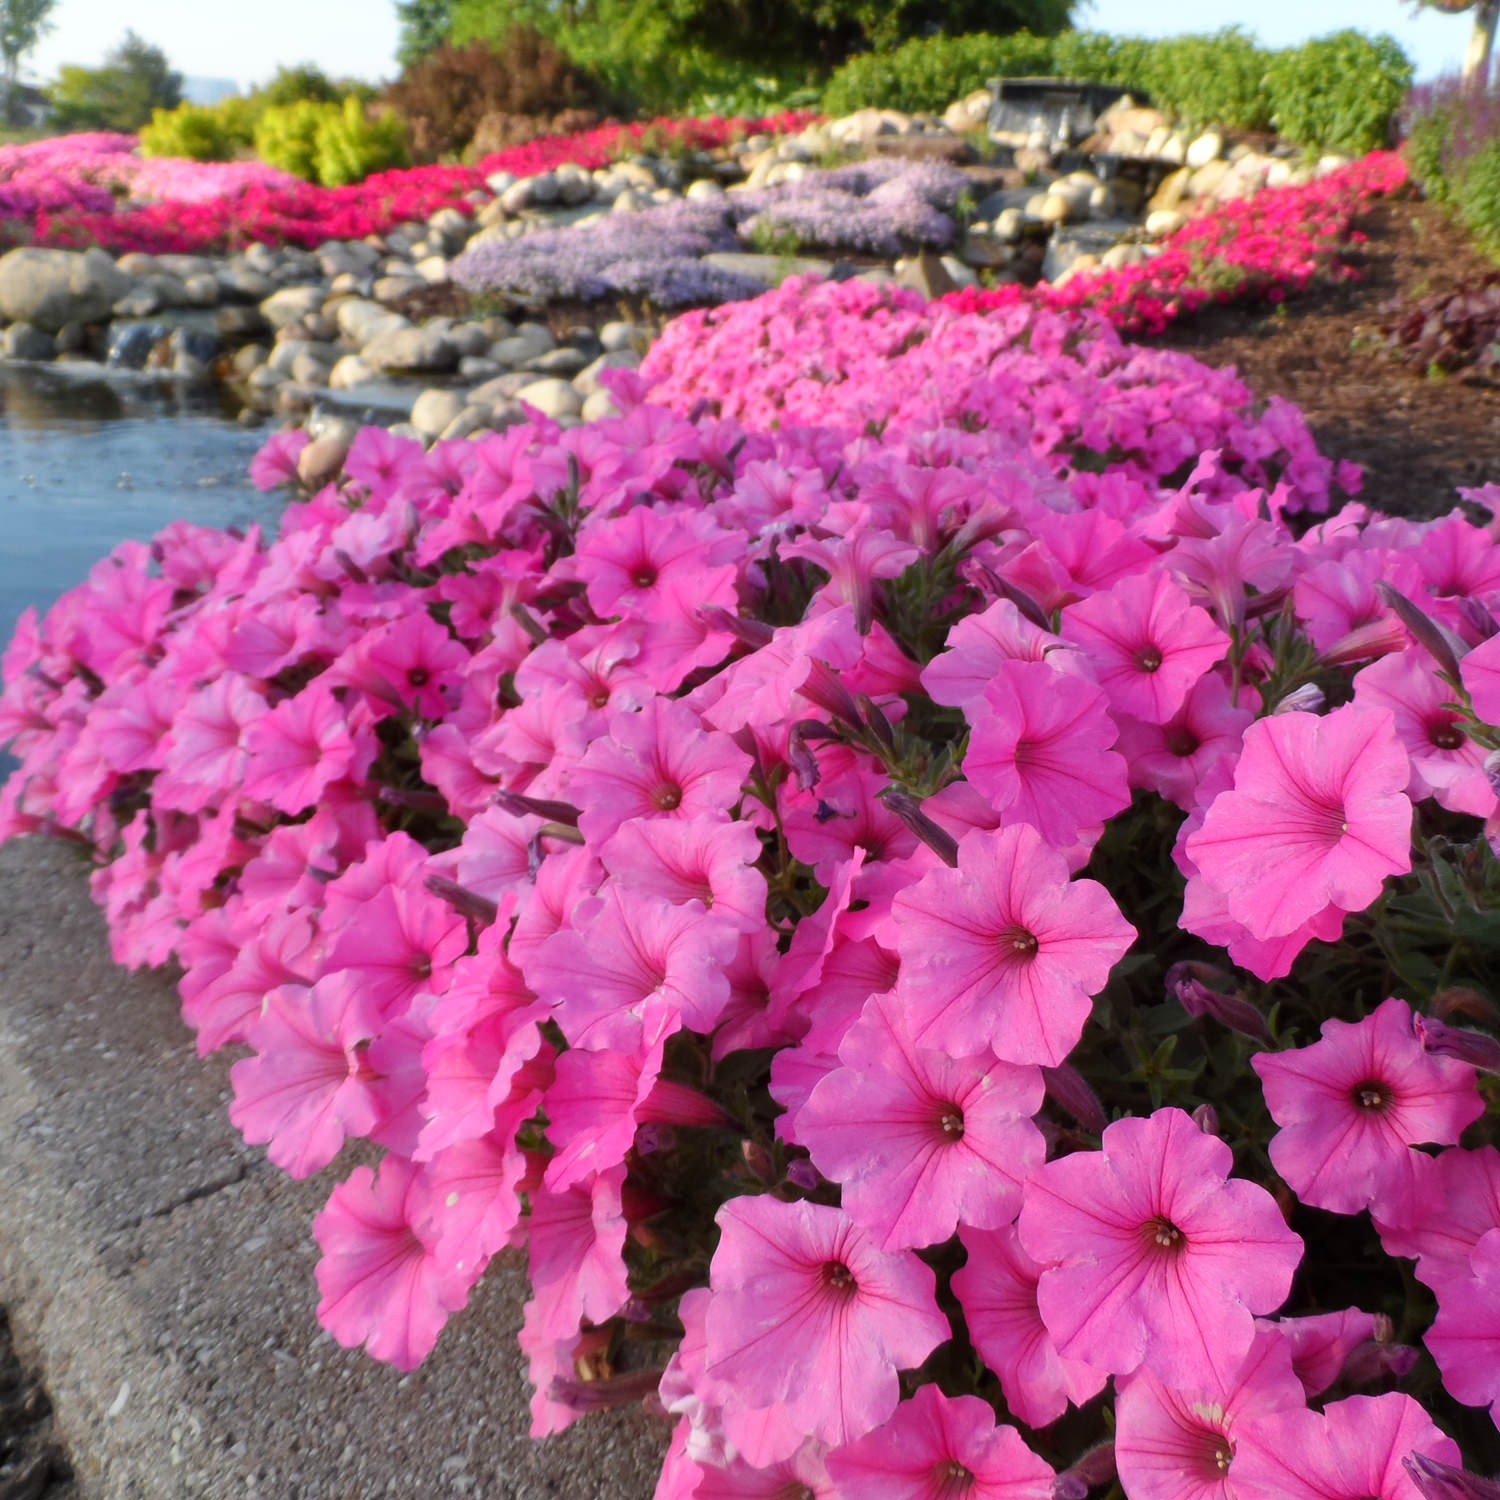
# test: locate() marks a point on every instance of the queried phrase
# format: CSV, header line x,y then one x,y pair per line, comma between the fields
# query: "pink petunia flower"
x,y
1352,1450
1180,1445
1352,1106
381,1282
996,1287
1040,751
1465,1336
1318,816
938,1447
1153,1256
921,1141
805,1311
1005,952
1147,642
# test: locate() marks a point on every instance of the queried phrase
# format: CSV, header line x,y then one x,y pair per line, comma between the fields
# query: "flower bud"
x,y
1441,644
1095,1468
1374,1359
758,1159
1185,982
1479,621
654,1136
802,1174
1206,1118
465,902
518,805
909,810
1439,1481
1473,1047
1066,1088
1307,699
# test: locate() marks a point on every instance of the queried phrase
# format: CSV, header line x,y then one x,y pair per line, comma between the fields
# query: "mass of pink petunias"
x,y
932,877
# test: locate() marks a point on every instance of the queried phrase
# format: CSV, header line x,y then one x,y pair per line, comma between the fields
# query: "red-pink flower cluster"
x,y
721,857
1260,248
66,189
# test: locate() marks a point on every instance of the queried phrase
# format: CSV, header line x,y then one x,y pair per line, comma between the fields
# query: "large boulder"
x,y
48,288
410,349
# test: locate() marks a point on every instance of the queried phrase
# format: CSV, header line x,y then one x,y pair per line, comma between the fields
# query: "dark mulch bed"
x,y
32,1463
1418,437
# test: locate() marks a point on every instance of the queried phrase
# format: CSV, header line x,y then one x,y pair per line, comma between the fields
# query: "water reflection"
x,y
87,462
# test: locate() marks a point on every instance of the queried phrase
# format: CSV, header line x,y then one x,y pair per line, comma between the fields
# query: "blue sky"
x,y
246,39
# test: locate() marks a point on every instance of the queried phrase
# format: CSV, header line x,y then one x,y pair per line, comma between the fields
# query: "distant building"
x,y
29,107
208,90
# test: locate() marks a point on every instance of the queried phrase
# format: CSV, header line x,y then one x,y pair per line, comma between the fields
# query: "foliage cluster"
x,y
1336,93
332,144
1453,144
1452,330
134,79
450,93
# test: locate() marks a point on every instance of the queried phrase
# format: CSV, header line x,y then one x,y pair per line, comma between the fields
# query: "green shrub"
x,y
1426,147
191,130
1097,57
931,72
1339,92
286,136
306,82
349,145
1211,80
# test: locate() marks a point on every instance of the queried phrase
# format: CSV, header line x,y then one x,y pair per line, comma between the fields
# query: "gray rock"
x,y
926,274
411,349
285,352
471,339
530,341
262,258
527,192
130,344
351,370
323,458
502,388
598,406
564,363
71,337
137,263
466,423
617,336
587,381
433,269
393,288
553,398
245,284
1069,243
170,290
202,289
291,303
248,358
351,284
313,364
239,325
1205,149
53,287
574,185
358,319
436,409
476,368
140,303
27,341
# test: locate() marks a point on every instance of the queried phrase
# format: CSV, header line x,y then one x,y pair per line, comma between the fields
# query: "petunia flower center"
x,y
951,1121
1183,742
951,1479
1018,943
1162,1235
1148,658
1372,1096
644,576
837,1277
667,796
418,677
1444,734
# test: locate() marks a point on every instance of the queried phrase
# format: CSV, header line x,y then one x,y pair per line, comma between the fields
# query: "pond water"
x,y
86,463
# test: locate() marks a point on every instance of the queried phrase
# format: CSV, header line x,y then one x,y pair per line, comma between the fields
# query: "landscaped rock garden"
x,y
463,321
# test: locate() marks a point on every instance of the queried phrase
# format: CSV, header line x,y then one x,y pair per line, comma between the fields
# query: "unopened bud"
x,y
1307,699
1185,982
1479,621
1206,1118
1473,1047
1096,1467
465,902
518,806
802,1174
1373,1360
752,633
909,810
823,687
880,726
1439,1481
800,756
1460,1000
758,1159
1441,644
1067,1089
654,1136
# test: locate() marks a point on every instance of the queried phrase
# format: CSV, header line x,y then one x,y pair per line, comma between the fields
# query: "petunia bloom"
x,y
1153,1257
1352,1106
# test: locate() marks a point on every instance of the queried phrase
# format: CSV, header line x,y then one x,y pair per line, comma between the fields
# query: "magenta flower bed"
x,y
1249,249
955,938
60,190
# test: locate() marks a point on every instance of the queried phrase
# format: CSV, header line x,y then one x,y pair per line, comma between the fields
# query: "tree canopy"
x,y
135,79
23,23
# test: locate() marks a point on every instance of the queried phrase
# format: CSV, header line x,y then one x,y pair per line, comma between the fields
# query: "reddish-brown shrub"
x,y
446,96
